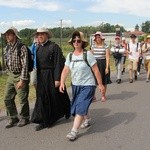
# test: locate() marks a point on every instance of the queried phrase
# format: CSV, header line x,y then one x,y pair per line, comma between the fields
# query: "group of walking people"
x,y
89,69
137,54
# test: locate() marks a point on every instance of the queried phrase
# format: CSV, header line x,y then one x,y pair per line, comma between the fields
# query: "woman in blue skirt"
x,y
82,78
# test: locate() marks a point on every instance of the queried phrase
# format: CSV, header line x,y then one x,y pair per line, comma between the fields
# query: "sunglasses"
x,y
78,41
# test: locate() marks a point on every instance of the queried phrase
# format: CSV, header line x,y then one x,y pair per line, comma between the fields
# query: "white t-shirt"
x,y
135,50
81,73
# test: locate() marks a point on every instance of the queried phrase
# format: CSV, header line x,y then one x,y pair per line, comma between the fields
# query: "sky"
x,y
73,13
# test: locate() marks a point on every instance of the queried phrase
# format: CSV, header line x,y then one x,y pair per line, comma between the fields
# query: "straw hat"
x,y
81,35
13,30
148,37
43,30
100,34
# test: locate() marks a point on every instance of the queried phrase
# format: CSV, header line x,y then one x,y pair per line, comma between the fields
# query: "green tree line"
x,y
27,34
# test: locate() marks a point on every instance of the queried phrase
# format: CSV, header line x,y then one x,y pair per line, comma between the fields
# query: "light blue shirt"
x,y
81,73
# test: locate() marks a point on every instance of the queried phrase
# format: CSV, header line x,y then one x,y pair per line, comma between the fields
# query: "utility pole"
x,y
61,33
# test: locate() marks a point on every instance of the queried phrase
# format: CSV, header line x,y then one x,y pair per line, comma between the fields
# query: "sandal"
x,y
94,99
103,99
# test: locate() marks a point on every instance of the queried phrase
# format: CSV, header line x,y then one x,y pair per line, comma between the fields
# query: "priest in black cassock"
x,y
50,105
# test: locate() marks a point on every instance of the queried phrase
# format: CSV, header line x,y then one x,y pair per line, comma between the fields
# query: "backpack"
x,y
117,54
30,56
136,47
84,57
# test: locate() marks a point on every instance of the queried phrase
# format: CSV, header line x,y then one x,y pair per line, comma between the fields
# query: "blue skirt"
x,y
82,98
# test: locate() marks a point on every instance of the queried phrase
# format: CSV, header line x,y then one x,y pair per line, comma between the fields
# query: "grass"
x,y
66,49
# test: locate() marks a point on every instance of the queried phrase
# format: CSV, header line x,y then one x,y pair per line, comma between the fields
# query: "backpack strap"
x,y
146,45
128,47
70,56
85,57
19,46
137,47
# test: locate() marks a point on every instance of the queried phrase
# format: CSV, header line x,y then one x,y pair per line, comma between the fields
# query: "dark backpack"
x,y
117,55
30,56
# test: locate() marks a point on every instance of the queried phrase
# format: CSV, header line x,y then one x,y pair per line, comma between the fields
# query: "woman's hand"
x,y
62,87
106,71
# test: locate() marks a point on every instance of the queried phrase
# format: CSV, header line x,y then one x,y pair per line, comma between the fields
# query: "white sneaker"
x,y
147,80
138,73
86,123
72,135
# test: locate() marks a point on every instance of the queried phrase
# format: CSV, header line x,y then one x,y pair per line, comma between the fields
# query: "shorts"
x,y
147,64
132,64
33,77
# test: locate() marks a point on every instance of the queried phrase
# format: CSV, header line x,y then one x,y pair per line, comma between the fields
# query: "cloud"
x,y
34,4
20,24
130,7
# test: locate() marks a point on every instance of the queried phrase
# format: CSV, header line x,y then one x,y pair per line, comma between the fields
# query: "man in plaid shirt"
x,y
18,80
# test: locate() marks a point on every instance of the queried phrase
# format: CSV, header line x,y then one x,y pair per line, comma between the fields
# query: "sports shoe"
x,y
40,127
131,81
72,135
23,122
147,80
118,81
135,77
12,122
86,123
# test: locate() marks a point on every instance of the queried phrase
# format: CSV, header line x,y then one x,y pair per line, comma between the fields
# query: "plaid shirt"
x,y
17,63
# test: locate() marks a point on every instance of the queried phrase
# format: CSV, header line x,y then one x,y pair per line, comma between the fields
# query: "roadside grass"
x,y
32,95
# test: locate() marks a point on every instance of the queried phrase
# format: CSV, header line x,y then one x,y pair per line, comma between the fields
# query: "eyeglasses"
x,y
78,41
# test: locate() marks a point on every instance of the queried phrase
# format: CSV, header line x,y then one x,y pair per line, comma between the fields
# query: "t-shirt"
x,y
81,73
99,52
134,51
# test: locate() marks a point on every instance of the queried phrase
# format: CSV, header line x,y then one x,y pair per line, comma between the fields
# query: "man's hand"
x,y
57,84
20,84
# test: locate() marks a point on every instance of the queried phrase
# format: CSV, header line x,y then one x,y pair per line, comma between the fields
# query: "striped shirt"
x,y
99,52
15,62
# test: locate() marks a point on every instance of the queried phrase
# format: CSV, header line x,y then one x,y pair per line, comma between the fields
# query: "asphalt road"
x,y
121,123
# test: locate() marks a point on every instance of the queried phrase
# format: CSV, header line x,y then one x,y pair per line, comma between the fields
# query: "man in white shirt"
x,y
133,53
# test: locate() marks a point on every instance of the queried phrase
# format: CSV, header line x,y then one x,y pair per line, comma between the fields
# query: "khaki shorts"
x,y
132,64
147,64
33,77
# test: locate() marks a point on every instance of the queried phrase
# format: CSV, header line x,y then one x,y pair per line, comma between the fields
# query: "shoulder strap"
x,y
19,46
146,45
85,57
137,47
70,56
128,47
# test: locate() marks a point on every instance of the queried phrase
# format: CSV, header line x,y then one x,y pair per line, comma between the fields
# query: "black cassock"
x,y
50,105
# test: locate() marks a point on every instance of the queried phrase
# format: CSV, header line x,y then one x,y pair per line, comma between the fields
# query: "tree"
x,y
137,27
146,27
